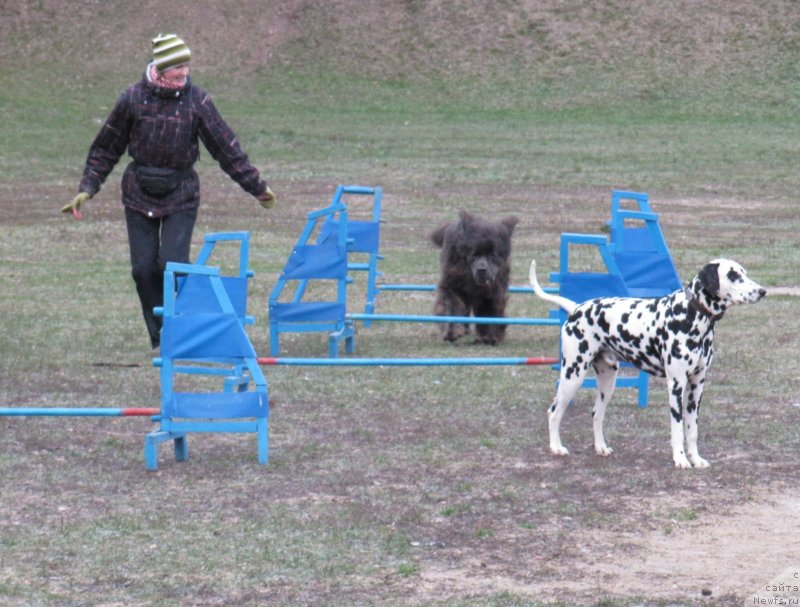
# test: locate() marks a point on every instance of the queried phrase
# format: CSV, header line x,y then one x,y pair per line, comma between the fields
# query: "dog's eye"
x,y
735,276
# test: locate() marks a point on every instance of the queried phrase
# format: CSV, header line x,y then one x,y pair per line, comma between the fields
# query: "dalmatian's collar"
x,y
695,303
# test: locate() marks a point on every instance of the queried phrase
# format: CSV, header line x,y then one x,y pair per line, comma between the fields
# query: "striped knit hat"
x,y
169,51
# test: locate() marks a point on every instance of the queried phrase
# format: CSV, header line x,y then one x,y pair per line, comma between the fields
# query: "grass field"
x,y
405,486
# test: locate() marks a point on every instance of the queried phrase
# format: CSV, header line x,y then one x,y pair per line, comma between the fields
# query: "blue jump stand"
x,y
203,334
329,259
638,264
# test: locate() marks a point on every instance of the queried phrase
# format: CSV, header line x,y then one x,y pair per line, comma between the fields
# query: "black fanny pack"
x,y
158,182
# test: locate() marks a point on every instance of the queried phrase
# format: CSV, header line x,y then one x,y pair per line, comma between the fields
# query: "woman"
x,y
159,121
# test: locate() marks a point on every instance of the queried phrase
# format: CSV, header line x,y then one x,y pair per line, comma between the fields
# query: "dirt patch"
x,y
723,558
730,554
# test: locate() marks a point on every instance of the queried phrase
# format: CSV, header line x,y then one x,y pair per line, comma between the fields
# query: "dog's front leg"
x,y
692,418
677,396
450,304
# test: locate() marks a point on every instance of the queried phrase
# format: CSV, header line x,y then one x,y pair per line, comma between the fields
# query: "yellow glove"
x,y
267,199
74,207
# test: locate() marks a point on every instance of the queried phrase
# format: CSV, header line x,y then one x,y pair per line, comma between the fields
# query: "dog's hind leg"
x,y
567,387
606,371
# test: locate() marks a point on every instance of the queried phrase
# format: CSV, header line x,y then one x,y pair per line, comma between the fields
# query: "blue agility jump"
x,y
332,259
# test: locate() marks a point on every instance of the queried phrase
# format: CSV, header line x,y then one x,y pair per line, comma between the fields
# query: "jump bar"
x,y
77,412
403,362
423,287
477,320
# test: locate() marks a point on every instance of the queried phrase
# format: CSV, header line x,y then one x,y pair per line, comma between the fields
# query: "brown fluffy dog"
x,y
474,274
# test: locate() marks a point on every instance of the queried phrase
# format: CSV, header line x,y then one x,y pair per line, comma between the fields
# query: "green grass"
x,y
389,486
449,136
307,126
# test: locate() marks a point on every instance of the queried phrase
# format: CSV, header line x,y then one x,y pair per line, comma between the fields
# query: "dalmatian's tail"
x,y
562,302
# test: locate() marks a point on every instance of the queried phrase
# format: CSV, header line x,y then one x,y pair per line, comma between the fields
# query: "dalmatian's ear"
x,y
709,278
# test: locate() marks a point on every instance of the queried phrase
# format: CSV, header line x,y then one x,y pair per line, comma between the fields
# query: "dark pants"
x,y
154,242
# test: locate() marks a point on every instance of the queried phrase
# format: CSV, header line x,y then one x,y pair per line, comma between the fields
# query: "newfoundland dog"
x,y
474,274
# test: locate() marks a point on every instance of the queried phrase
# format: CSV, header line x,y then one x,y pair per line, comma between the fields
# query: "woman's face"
x,y
176,75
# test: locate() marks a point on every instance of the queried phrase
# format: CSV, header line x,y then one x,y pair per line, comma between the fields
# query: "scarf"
x,y
155,77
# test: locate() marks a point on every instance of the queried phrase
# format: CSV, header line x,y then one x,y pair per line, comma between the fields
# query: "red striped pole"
x,y
78,411
403,362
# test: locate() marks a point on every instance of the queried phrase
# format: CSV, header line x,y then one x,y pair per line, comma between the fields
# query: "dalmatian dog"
x,y
670,336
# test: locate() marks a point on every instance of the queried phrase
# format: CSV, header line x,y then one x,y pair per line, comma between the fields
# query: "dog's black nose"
x,y
482,276
762,293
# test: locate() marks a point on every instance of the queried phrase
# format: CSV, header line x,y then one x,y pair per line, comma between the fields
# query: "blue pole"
x,y
478,320
77,411
419,287
407,287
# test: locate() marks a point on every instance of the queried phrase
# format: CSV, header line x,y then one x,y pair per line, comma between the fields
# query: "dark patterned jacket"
x,y
160,128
